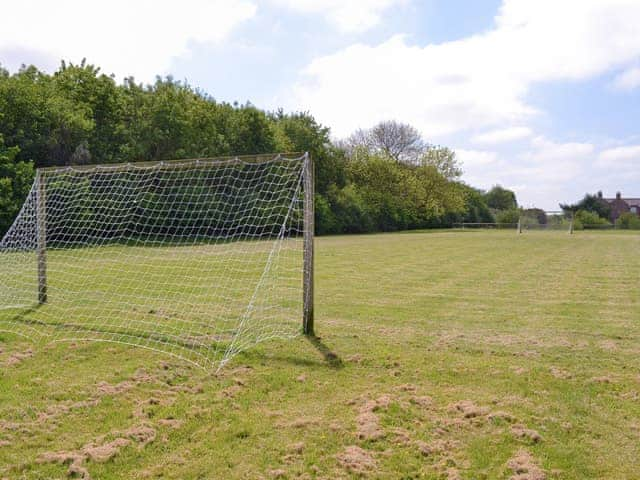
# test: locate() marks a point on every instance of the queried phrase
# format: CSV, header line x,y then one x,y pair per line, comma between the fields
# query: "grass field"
x,y
468,355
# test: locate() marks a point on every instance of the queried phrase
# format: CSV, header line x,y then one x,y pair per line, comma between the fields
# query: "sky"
x,y
540,96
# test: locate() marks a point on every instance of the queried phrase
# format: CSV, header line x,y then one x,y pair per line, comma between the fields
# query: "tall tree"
x,y
399,141
443,159
499,198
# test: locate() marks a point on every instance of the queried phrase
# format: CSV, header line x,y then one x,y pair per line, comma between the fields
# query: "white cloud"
x,y
628,80
349,16
551,162
502,135
548,172
124,37
475,158
477,82
626,156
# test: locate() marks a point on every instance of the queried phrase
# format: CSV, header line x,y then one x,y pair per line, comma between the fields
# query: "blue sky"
x,y
539,96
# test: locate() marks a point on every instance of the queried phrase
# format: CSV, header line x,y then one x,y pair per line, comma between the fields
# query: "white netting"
x,y
197,258
546,221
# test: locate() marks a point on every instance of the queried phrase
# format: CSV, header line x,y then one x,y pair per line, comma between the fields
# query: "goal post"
x,y
41,233
197,258
309,229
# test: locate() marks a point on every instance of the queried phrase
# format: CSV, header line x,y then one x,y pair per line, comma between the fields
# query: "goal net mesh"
x,y
200,259
539,220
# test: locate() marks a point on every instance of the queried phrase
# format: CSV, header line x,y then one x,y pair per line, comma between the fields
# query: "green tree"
x,y
508,217
300,132
628,221
16,178
444,160
499,198
590,203
534,216
398,141
475,208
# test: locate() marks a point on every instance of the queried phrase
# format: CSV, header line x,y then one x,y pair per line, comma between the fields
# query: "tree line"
x,y
383,179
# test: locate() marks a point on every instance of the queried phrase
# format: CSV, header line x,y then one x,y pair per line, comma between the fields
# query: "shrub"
x,y
351,211
508,217
326,221
590,220
628,221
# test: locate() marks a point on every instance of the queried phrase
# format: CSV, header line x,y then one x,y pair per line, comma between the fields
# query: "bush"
x,y
15,182
577,224
325,221
351,211
508,217
628,221
589,220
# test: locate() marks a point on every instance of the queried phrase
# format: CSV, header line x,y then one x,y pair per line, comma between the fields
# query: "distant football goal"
x,y
541,220
530,220
198,258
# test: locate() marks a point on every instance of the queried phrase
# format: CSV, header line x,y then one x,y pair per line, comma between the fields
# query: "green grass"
x,y
539,331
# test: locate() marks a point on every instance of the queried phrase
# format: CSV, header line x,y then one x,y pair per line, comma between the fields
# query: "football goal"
x,y
197,258
540,220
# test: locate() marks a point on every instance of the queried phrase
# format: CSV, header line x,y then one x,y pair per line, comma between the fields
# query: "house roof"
x,y
632,202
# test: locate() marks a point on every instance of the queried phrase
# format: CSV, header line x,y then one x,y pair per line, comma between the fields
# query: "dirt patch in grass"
x,y
170,422
142,434
407,387
608,345
98,451
356,358
453,474
53,411
241,370
421,400
106,451
500,415
300,422
437,447
524,467
75,461
144,408
401,436
105,388
356,460
367,422
277,473
602,379
468,409
9,426
297,447
18,357
522,432
198,388
368,426
560,373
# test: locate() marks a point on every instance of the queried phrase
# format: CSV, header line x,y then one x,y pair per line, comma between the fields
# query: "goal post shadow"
x,y
329,355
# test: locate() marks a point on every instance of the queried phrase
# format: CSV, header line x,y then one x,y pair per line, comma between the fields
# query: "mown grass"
x,y
539,333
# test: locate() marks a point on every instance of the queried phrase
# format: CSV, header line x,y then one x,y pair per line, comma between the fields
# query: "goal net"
x,y
533,220
200,259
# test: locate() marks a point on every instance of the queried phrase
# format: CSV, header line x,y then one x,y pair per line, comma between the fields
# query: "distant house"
x,y
621,205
